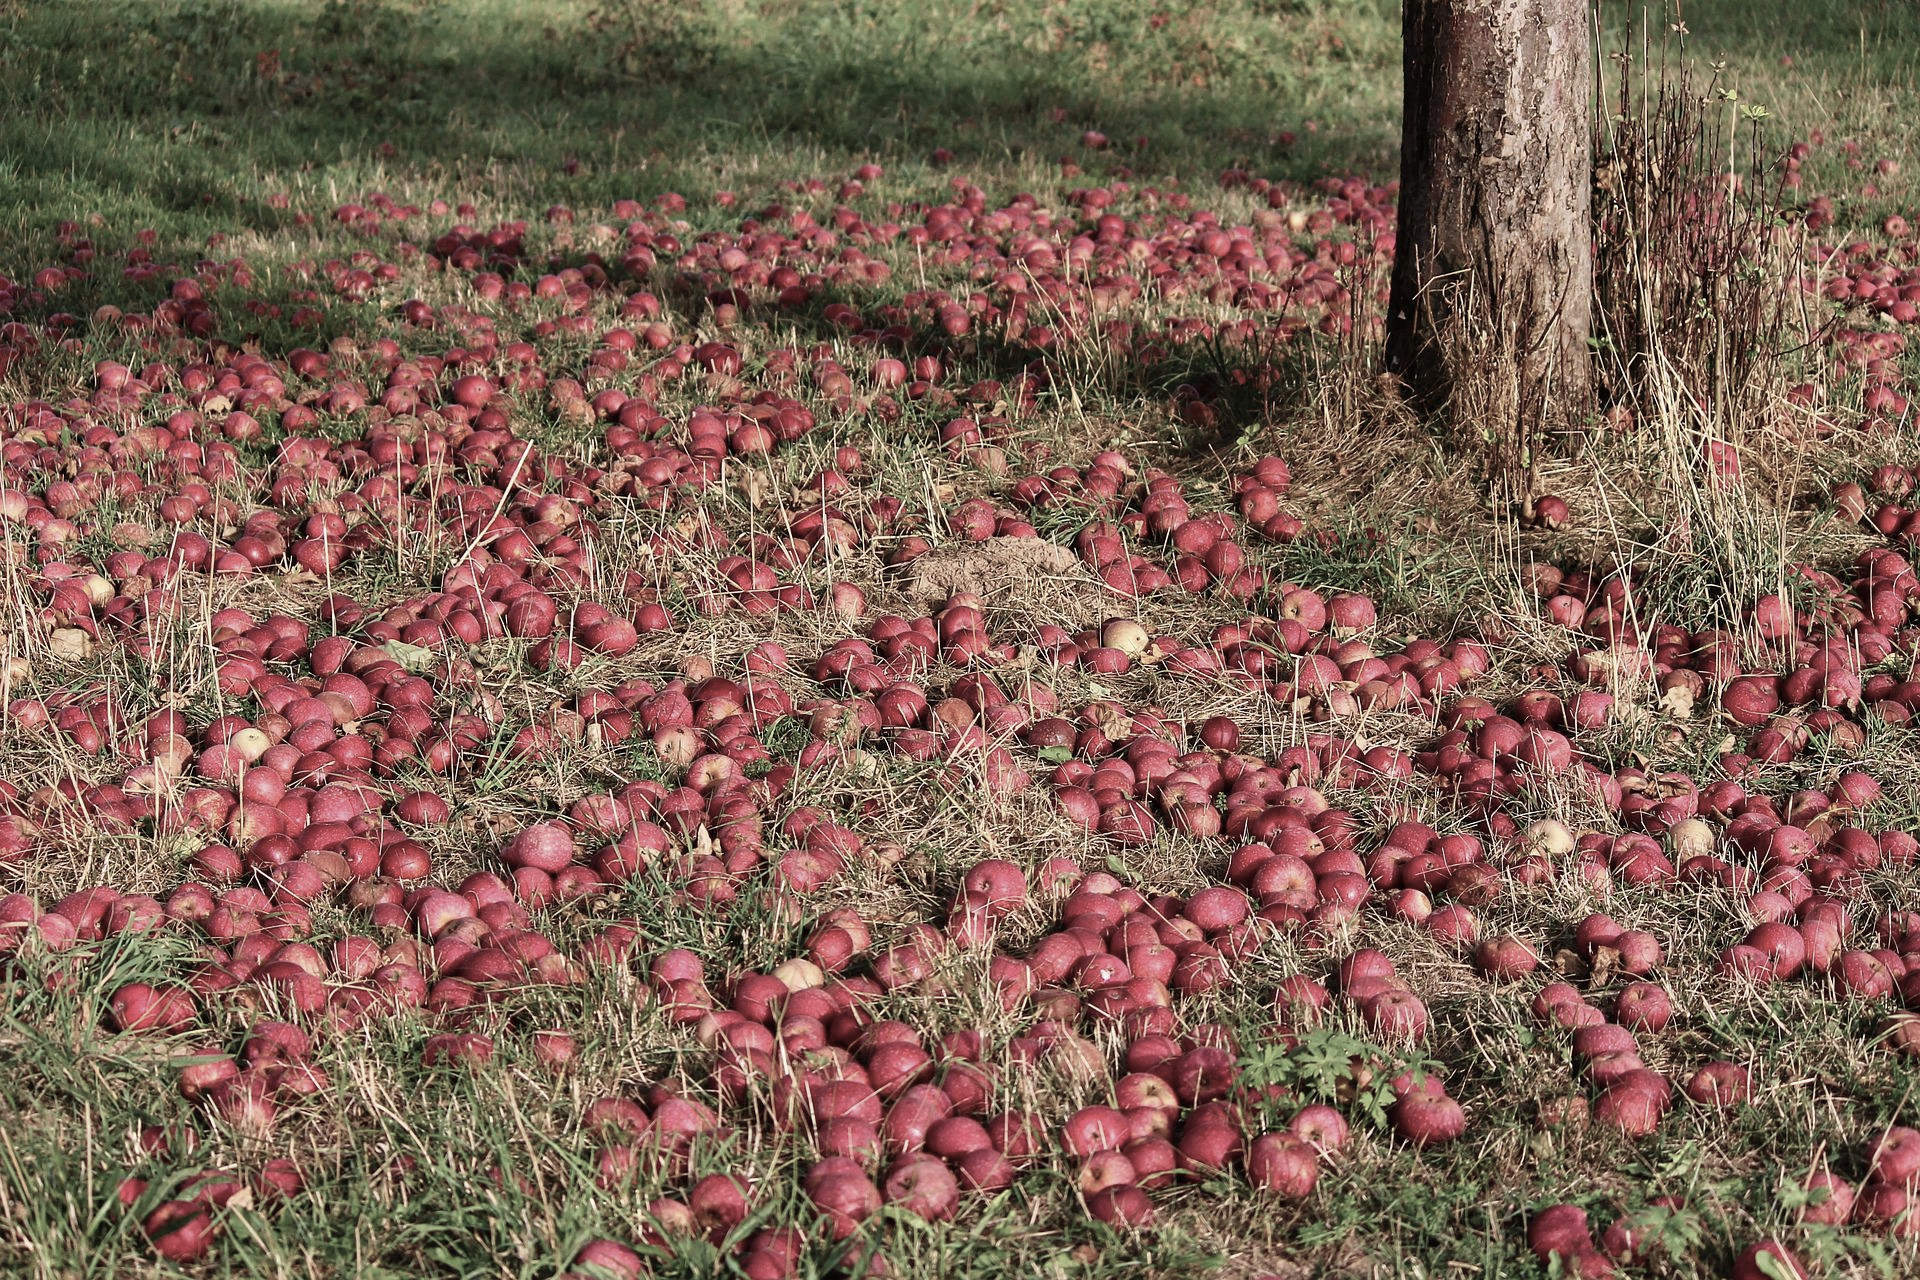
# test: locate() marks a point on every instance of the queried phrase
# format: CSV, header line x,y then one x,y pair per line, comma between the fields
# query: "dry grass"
x,y
1390,511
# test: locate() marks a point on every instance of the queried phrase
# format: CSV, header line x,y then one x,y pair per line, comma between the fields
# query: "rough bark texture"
x,y
1492,278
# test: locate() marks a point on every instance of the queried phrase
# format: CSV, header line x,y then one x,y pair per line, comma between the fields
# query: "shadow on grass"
x,y
184,110
186,115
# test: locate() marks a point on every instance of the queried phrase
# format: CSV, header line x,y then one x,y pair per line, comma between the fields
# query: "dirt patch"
x,y
1032,574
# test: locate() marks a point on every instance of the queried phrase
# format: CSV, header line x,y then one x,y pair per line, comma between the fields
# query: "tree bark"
x,y
1491,302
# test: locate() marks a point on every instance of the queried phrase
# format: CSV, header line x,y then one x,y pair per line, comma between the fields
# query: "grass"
x,y
182,116
224,128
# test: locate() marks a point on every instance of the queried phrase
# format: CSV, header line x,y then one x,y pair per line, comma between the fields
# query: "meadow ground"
x,y
693,327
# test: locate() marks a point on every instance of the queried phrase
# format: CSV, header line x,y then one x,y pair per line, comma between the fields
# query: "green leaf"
x,y
411,656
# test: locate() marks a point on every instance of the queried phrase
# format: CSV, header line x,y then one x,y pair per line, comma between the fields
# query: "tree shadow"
x,y
191,116
187,116
182,109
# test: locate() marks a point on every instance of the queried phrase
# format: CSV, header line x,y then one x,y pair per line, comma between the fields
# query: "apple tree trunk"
x,y
1492,291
